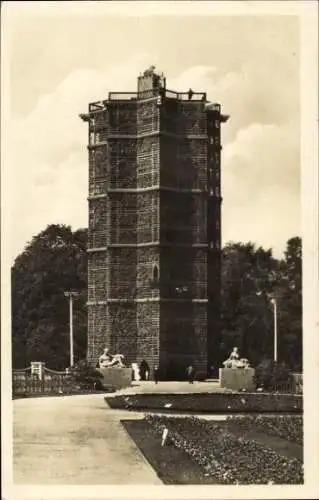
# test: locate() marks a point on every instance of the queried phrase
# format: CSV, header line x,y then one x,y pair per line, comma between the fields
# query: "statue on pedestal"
x,y
106,359
235,362
149,71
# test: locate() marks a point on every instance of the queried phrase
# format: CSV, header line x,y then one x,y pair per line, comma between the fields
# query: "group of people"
x,y
144,372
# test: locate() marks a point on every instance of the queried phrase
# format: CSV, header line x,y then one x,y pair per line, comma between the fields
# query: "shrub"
x,y
86,376
270,375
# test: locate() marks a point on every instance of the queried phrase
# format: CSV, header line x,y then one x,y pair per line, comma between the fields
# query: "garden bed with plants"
x,y
172,465
286,427
210,402
227,455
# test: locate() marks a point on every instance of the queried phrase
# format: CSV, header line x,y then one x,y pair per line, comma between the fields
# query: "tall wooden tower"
x,y
154,226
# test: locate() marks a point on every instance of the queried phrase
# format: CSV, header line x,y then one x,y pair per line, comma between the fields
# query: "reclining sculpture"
x,y
235,362
106,359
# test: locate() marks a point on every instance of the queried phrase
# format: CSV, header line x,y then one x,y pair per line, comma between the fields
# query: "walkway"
x,y
80,440
75,440
148,387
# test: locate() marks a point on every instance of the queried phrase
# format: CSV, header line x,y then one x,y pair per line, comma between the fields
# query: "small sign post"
x,y
164,436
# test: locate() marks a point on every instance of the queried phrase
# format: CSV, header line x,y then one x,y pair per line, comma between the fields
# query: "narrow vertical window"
x,y
155,273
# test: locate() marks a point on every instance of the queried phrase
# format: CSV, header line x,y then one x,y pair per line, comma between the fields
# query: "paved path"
x,y
80,440
148,387
75,440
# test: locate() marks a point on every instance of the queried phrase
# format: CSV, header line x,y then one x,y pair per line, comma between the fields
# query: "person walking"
x,y
190,373
143,369
156,374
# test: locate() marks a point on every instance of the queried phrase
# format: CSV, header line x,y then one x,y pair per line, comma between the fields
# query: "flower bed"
x,y
289,428
212,402
172,464
229,458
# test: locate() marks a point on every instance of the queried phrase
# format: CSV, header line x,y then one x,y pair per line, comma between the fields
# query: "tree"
x,y
247,319
290,305
53,262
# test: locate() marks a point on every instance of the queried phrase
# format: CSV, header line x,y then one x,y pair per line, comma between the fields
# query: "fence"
x,y
51,382
285,388
297,382
294,385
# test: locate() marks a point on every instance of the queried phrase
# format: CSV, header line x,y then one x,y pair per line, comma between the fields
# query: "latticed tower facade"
x,y
154,226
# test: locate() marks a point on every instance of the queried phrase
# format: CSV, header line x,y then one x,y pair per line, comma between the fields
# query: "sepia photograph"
x,y
159,249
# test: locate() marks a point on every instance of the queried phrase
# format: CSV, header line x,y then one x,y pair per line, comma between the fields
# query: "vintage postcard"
x,y
159,250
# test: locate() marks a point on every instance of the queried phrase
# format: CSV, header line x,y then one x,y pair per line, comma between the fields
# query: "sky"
x,y
249,64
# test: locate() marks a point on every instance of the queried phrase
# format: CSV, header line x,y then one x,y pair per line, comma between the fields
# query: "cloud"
x,y
49,155
257,93
263,156
260,161
261,153
261,185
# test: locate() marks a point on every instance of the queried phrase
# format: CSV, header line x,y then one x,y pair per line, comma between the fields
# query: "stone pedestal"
x,y
237,378
116,377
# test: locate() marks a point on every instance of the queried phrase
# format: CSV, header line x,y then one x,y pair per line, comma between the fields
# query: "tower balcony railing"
x,y
147,94
185,96
100,106
122,96
196,96
129,96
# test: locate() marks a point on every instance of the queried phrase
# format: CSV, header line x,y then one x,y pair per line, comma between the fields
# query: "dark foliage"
x,y
82,374
271,376
54,261
247,319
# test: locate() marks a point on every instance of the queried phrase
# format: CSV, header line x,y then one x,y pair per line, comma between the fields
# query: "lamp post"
x,y
273,301
70,296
